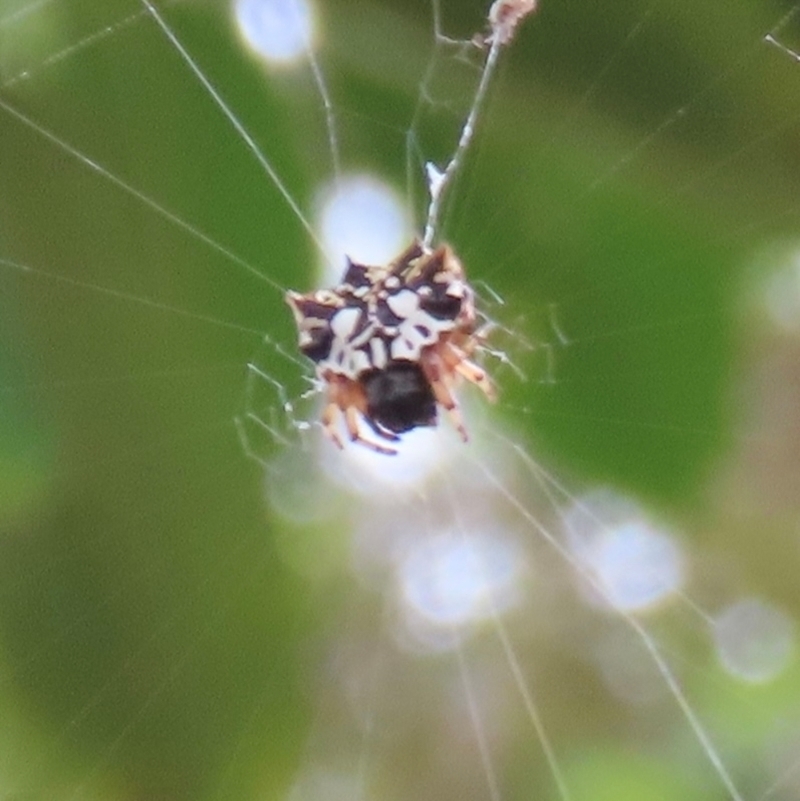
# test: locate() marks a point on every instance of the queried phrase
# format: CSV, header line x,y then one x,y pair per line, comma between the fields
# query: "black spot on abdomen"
x,y
399,397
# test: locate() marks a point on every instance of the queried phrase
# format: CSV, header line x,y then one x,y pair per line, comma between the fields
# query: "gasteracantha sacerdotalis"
x,y
391,342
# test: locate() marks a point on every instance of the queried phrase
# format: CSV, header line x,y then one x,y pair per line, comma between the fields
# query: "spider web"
x,y
489,621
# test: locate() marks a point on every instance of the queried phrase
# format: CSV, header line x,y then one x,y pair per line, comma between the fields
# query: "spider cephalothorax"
x,y
390,342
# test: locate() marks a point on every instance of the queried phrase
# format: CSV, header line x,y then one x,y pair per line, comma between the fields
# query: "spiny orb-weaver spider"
x,y
391,342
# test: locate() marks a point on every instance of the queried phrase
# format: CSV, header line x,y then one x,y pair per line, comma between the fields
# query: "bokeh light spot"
x,y
279,31
362,218
634,564
755,640
454,580
781,295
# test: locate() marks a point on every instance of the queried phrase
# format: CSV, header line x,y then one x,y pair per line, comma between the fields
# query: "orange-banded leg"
x,y
458,362
351,420
346,398
436,373
477,375
330,418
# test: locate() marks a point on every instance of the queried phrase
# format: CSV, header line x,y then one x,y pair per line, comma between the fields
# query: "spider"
x,y
391,342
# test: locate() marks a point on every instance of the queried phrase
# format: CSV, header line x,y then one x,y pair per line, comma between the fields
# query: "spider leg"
x,y
436,365
482,334
330,416
476,375
346,398
445,399
459,363
351,419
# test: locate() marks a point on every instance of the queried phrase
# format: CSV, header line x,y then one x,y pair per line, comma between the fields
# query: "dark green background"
x,y
154,645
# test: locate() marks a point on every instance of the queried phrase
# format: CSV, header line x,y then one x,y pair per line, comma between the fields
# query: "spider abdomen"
x,y
399,397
